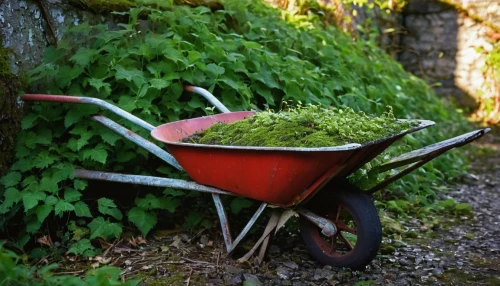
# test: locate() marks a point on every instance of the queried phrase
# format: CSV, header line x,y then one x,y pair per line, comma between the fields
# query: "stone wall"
x,y
442,41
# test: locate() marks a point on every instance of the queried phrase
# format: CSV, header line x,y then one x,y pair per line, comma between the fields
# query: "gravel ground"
x,y
462,250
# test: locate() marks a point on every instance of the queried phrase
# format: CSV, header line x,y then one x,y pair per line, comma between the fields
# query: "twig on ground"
x,y
111,247
189,277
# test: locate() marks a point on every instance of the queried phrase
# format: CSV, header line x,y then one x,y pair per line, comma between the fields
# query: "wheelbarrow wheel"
x,y
359,232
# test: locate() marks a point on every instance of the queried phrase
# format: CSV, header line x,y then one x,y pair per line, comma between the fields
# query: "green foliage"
x,y
489,96
310,126
13,273
247,54
240,203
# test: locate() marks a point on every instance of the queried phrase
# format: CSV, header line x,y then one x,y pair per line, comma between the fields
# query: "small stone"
x,y
292,265
274,249
236,280
233,269
437,271
404,262
251,280
283,272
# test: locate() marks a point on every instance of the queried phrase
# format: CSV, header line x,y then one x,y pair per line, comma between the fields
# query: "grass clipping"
x,y
309,127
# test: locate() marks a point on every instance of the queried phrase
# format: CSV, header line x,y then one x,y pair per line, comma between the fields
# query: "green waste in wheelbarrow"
x,y
282,176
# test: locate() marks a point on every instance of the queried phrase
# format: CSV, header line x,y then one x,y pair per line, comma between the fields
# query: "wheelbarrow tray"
x,y
281,176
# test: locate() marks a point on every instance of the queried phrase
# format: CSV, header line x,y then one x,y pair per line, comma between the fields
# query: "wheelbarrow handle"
x,y
208,96
419,157
53,98
89,100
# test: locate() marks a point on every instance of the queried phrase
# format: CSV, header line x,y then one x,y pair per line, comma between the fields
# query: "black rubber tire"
x,y
366,220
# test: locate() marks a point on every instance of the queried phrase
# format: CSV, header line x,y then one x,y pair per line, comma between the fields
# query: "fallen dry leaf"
x,y
140,240
103,260
46,240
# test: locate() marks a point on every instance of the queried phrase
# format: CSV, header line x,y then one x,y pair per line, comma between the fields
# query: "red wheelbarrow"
x,y
338,222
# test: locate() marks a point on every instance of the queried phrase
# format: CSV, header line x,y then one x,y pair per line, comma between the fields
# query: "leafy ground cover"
x,y
310,126
249,55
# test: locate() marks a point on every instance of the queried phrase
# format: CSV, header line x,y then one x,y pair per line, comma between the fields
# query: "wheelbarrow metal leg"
x,y
226,231
276,221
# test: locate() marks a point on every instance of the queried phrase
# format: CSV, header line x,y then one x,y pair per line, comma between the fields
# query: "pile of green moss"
x,y
311,126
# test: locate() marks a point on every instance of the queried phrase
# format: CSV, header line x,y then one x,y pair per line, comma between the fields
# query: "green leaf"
x,y
63,206
30,199
105,229
27,121
252,45
169,204
49,184
215,70
148,203
11,196
240,203
110,137
173,55
79,184
81,247
82,210
193,219
144,220
32,224
463,208
107,206
11,179
127,103
72,117
43,211
133,75
84,56
99,83
98,154
51,200
159,83
173,192
193,56
72,195
43,159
